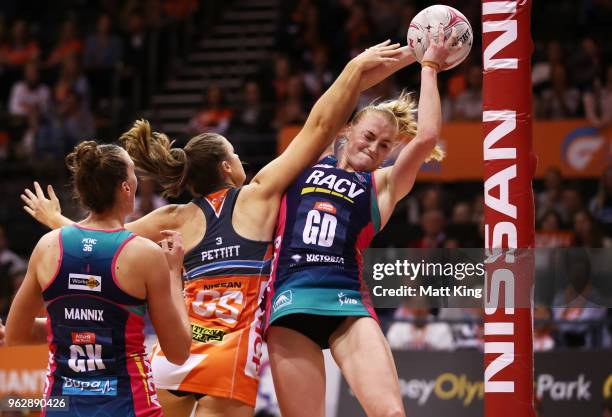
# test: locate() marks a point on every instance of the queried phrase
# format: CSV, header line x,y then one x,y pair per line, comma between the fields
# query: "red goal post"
x,y
509,165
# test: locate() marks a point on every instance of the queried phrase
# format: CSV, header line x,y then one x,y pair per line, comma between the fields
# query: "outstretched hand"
x,y
379,54
439,49
39,206
2,333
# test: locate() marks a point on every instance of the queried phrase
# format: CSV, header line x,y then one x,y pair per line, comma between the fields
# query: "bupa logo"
x,y
581,147
99,386
283,299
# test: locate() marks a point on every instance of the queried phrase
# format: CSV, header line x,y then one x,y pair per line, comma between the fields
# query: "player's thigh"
x,y
363,354
298,371
209,406
175,406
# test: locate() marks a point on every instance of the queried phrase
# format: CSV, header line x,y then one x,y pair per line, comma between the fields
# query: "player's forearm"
x,y
176,289
36,335
335,106
430,108
375,75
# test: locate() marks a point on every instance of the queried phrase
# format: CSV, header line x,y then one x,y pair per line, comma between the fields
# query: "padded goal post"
x,y
509,165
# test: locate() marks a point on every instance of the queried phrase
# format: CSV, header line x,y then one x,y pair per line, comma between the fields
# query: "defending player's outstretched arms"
x,y
326,118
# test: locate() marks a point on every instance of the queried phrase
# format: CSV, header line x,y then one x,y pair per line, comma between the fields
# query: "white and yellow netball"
x,y
429,20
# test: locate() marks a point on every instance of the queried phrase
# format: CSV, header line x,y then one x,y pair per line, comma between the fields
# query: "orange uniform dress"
x,y
226,276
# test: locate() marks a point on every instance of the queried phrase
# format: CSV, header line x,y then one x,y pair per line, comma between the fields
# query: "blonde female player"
x,y
227,232
97,280
317,296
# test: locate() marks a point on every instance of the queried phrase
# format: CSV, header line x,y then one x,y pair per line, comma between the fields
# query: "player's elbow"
x,y
14,339
179,353
427,139
322,125
178,357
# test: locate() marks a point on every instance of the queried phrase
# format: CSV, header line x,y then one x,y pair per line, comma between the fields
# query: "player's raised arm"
x,y
327,116
396,181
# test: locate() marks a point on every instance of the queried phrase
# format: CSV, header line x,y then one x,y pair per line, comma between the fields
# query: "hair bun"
x,y
86,155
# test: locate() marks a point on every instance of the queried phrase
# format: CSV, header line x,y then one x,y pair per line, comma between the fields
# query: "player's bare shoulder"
x,y
140,250
49,247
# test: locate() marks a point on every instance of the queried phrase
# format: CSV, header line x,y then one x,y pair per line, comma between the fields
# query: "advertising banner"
x,y
23,370
450,384
578,150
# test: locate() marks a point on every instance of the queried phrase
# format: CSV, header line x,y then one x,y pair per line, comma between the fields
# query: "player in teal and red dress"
x,y
317,297
96,280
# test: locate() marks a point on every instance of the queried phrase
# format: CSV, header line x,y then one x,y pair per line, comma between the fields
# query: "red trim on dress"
x,y
93,229
280,232
363,241
59,262
115,280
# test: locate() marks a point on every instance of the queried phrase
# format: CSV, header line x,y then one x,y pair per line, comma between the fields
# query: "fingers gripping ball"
x,y
428,20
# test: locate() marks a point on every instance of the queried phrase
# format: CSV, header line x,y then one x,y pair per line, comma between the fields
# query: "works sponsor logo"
x,y
579,389
85,282
205,335
98,386
283,299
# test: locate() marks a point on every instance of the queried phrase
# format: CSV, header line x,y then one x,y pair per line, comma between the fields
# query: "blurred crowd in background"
x,y
75,70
